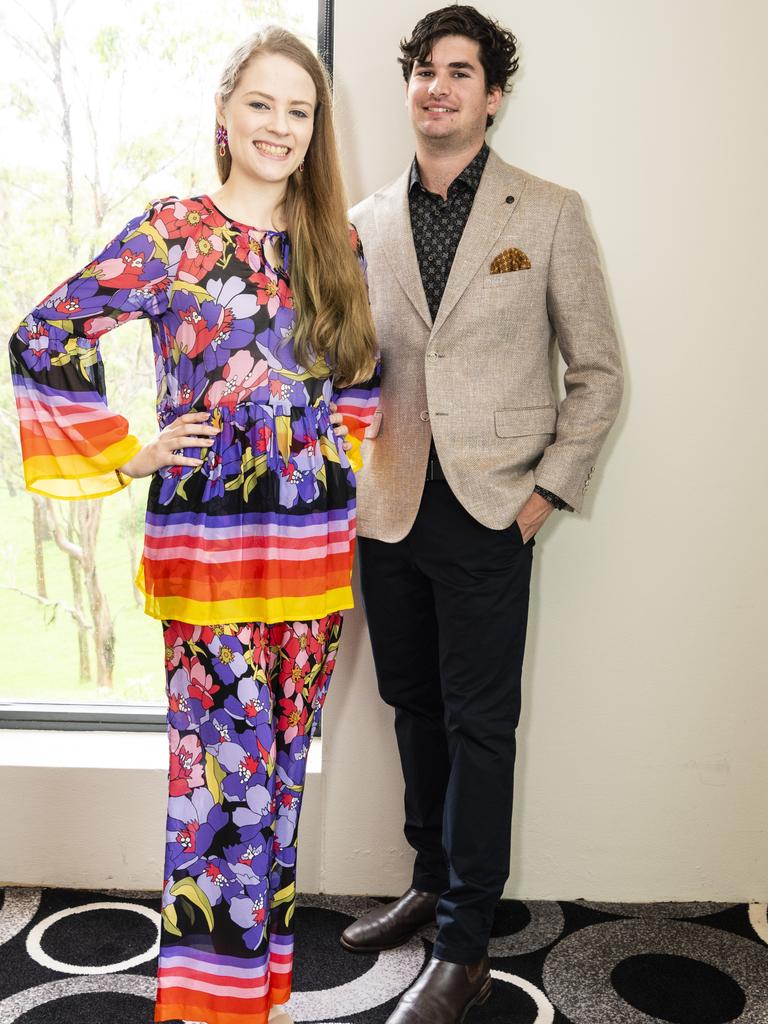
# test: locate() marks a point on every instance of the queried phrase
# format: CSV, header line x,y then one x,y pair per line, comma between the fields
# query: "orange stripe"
x,y
201,582
179,1003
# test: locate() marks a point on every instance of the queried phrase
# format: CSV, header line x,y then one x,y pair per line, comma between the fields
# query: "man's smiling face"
x,y
446,96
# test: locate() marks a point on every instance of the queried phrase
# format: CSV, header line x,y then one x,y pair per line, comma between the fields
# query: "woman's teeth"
x,y
270,150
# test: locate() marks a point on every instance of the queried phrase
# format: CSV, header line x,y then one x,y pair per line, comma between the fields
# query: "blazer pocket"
x,y
523,422
374,426
511,279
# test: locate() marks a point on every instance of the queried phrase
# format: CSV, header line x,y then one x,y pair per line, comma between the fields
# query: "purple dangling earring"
x,y
222,138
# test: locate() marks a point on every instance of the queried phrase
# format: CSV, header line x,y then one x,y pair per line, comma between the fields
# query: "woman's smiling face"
x,y
269,118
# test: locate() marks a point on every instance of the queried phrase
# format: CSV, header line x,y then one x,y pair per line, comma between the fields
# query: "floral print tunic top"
x,y
264,529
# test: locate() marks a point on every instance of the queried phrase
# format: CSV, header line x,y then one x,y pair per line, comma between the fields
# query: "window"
x,y
102,112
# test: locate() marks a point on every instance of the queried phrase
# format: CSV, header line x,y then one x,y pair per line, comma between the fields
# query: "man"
x,y
475,266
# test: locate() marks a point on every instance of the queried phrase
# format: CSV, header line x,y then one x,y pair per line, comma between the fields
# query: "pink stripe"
x,y
257,553
274,531
175,979
280,968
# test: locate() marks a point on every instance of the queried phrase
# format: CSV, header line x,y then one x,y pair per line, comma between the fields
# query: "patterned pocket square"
x,y
509,260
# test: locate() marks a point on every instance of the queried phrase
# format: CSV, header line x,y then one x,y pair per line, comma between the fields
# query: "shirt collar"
x,y
470,176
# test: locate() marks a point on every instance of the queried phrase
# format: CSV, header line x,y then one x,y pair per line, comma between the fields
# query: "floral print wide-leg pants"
x,y
244,703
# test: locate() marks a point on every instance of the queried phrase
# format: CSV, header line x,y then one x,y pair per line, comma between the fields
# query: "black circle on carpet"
x,y
511,917
99,938
318,954
678,989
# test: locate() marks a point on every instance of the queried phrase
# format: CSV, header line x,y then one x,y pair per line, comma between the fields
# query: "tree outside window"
x,y
103,108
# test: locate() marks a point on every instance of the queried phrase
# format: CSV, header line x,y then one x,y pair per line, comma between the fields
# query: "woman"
x,y
259,321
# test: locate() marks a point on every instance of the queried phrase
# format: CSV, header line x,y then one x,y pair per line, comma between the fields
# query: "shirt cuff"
x,y
553,499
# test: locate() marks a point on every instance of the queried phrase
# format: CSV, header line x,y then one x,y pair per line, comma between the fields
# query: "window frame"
x,y
130,717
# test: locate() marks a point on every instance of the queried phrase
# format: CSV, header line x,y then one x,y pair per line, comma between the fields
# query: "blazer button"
x,y
424,416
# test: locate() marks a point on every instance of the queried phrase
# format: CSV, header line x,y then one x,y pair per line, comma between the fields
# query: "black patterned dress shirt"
x,y
437,225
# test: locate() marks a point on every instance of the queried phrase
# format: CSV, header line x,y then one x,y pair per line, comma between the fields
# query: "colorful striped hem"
x,y
245,609
197,984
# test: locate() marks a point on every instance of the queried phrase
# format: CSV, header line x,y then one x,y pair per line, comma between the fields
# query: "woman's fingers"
x,y
194,417
183,460
189,429
191,441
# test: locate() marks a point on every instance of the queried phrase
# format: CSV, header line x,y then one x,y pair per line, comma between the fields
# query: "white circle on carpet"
x,y
19,1003
37,953
19,907
546,1014
758,918
393,972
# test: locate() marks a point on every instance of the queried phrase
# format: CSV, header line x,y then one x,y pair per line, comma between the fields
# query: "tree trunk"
x,y
89,514
40,534
75,570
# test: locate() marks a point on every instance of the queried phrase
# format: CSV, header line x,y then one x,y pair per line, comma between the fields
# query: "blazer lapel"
x,y
490,212
393,223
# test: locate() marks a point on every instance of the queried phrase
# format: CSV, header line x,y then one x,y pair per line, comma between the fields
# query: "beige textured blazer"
x,y
480,377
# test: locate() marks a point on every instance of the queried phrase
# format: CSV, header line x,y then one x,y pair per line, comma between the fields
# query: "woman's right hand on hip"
x,y
192,430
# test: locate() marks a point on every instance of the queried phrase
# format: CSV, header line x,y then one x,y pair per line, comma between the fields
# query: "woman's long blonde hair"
x,y
333,317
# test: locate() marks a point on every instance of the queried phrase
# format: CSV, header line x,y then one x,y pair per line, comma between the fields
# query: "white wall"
x,y
643,761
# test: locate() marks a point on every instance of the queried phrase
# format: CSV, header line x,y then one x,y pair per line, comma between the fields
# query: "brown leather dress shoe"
x,y
391,924
444,993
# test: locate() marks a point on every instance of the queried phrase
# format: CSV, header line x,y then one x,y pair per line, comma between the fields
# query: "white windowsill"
x,y
146,751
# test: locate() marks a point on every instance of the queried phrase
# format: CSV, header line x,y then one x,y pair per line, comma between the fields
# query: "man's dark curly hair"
x,y
498,47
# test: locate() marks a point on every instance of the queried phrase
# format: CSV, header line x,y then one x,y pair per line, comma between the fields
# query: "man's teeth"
x,y
440,110
265,147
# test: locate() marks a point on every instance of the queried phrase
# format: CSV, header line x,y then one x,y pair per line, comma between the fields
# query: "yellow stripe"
x,y
354,455
245,609
75,476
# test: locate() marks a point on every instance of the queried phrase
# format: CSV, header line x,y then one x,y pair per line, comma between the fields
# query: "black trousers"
x,y
447,611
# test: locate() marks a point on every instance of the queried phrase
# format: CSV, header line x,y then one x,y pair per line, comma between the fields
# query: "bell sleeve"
x,y
72,443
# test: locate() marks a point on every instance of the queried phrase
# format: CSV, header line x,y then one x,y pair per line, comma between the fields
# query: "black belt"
x,y
434,469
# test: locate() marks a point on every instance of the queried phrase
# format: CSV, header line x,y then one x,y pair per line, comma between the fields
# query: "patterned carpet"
x,y
88,958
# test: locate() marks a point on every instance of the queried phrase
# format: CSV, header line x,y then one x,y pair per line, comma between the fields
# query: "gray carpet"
x,y
73,957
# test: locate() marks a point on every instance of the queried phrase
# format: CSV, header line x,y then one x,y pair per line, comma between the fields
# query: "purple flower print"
x,y
219,729
252,821
74,300
193,821
250,912
179,707
286,823
195,326
291,764
297,479
254,701
244,763
127,266
228,661
275,339
172,476
249,862
42,341
243,308
216,879
187,385
222,463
